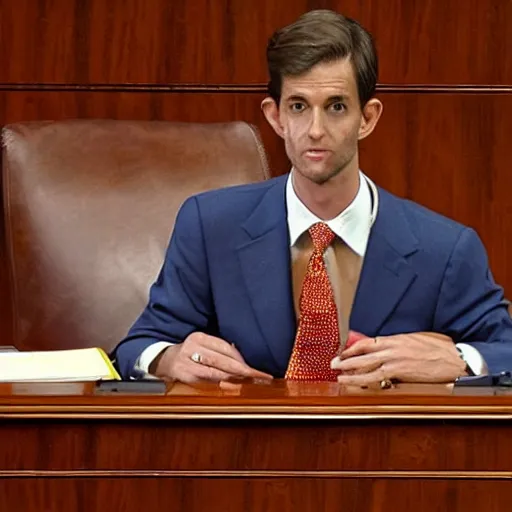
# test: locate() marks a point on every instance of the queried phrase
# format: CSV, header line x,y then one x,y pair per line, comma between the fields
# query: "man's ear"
x,y
271,112
371,114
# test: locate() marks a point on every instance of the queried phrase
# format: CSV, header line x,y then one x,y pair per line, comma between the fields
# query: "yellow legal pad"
x,y
86,364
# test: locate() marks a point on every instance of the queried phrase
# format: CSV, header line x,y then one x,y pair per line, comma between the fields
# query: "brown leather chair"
x,y
89,207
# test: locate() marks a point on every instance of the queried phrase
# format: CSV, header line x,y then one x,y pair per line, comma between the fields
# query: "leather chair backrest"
x,y
89,208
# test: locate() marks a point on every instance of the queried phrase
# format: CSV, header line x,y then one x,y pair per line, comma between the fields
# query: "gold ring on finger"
x,y
196,357
386,384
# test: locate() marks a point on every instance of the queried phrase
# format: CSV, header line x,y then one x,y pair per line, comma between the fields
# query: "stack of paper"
x,y
88,364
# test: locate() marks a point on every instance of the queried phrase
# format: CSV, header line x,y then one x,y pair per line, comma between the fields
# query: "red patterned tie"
x,y
318,339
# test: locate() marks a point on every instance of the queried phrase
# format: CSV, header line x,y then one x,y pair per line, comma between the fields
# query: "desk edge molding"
x,y
450,475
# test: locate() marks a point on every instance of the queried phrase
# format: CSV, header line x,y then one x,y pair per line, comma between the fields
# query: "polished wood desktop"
x,y
255,447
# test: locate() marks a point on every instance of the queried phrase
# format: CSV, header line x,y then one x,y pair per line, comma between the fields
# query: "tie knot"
x,y
322,235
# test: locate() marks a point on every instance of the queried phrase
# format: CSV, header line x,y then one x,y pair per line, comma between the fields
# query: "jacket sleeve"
x,y
180,300
471,307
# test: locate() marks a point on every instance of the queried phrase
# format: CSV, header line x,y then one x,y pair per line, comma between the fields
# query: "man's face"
x,y
320,116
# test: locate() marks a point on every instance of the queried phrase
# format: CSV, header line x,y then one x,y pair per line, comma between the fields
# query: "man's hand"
x,y
218,361
415,357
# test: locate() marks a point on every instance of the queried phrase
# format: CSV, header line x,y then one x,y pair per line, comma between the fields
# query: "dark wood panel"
x,y
224,41
257,444
252,495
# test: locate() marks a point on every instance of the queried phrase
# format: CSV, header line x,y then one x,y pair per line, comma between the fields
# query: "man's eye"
x,y
297,107
338,107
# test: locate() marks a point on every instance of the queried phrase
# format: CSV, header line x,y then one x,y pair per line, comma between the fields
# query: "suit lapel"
x,y
265,263
386,274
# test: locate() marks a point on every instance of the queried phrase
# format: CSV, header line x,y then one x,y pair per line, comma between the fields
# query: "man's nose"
x,y
316,126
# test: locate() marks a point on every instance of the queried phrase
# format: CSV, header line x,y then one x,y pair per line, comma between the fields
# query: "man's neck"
x,y
329,199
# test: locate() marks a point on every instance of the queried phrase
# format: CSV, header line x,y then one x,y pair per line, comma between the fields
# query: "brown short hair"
x,y
322,36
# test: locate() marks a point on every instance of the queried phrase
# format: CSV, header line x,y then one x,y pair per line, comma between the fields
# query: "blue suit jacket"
x,y
227,273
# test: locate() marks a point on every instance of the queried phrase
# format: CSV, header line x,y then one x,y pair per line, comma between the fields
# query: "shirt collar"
x,y
352,225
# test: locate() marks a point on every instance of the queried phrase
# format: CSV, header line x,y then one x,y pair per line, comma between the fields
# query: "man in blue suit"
x,y
227,303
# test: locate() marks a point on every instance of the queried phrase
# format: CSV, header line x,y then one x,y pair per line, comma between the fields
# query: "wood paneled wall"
x,y
446,84
223,41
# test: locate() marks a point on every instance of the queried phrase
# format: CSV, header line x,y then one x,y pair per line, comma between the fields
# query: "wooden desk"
x,y
285,447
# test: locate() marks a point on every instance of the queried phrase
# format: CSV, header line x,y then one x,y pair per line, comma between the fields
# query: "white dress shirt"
x,y
353,226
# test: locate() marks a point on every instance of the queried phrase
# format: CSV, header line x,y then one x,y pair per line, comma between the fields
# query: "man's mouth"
x,y
316,154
